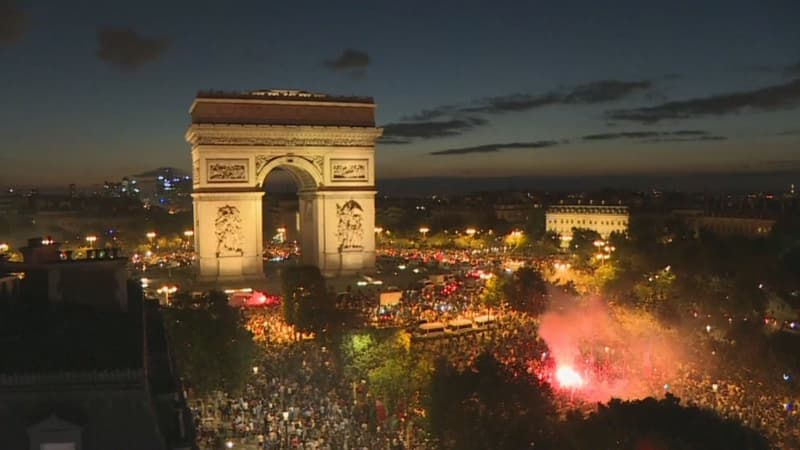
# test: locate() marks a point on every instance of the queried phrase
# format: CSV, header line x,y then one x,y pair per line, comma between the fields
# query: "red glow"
x,y
568,378
262,299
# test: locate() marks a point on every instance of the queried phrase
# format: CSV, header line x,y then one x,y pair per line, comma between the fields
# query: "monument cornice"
x,y
282,135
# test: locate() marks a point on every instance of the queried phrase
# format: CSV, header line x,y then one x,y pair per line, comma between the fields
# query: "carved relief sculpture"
x,y
319,162
228,230
226,171
349,170
350,231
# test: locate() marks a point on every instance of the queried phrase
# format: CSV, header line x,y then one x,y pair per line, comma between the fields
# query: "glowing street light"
x,y
91,240
470,232
424,231
378,230
151,235
167,290
4,247
187,233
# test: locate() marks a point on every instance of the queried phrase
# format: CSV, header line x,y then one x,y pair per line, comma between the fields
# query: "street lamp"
x,y
187,233
91,240
4,247
167,290
151,235
470,232
285,415
378,230
424,231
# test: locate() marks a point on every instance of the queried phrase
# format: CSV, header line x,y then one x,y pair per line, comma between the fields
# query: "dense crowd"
x,y
297,398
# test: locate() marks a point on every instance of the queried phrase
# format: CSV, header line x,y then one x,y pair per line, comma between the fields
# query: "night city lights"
x,y
396,226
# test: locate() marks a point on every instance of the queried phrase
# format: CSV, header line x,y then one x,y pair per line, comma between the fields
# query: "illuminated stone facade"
x,y
602,219
326,143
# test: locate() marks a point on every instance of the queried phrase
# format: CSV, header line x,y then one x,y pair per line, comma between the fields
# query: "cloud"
x,y
686,139
12,22
586,94
642,134
494,148
350,59
431,129
124,49
455,119
771,98
393,141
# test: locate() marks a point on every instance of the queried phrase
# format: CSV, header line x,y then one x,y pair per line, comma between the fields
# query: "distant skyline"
x,y
520,90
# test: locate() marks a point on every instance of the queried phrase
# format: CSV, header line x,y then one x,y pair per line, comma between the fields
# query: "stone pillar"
x,y
338,229
228,236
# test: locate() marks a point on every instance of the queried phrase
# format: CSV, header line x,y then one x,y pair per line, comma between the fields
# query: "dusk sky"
x,y
96,90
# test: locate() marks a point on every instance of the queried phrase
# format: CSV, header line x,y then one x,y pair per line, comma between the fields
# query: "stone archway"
x,y
326,143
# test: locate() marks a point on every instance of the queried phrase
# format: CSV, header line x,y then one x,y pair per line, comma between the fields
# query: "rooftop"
x,y
283,95
68,338
587,209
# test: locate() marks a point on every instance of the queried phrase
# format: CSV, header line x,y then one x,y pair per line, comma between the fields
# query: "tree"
x,y
213,349
657,424
487,407
384,358
306,303
527,291
494,293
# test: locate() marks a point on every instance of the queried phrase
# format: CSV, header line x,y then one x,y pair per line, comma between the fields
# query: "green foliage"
x,y
384,359
213,349
657,424
527,291
306,303
487,407
494,293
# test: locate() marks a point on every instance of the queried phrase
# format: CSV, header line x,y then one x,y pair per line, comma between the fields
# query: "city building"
x,y
605,220
85,365
726,225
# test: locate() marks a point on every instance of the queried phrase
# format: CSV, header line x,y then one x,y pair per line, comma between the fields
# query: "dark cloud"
x,y
686,139
431,129
493,148
642,135
451,120
605,91
602,91
124,49
433,113
350,59
12,22
393,141
771,98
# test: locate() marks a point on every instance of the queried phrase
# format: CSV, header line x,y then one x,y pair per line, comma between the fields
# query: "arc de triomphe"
x,y
326,143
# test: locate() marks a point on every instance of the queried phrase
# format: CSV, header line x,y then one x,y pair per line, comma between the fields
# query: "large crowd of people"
x,y
299,397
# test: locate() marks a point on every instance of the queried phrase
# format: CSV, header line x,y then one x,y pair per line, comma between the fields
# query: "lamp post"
x,y
167,290
285,415
188,234
91,240
424,231
715,388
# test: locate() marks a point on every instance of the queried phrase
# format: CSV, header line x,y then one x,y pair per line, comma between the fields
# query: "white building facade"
x,y
605,220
